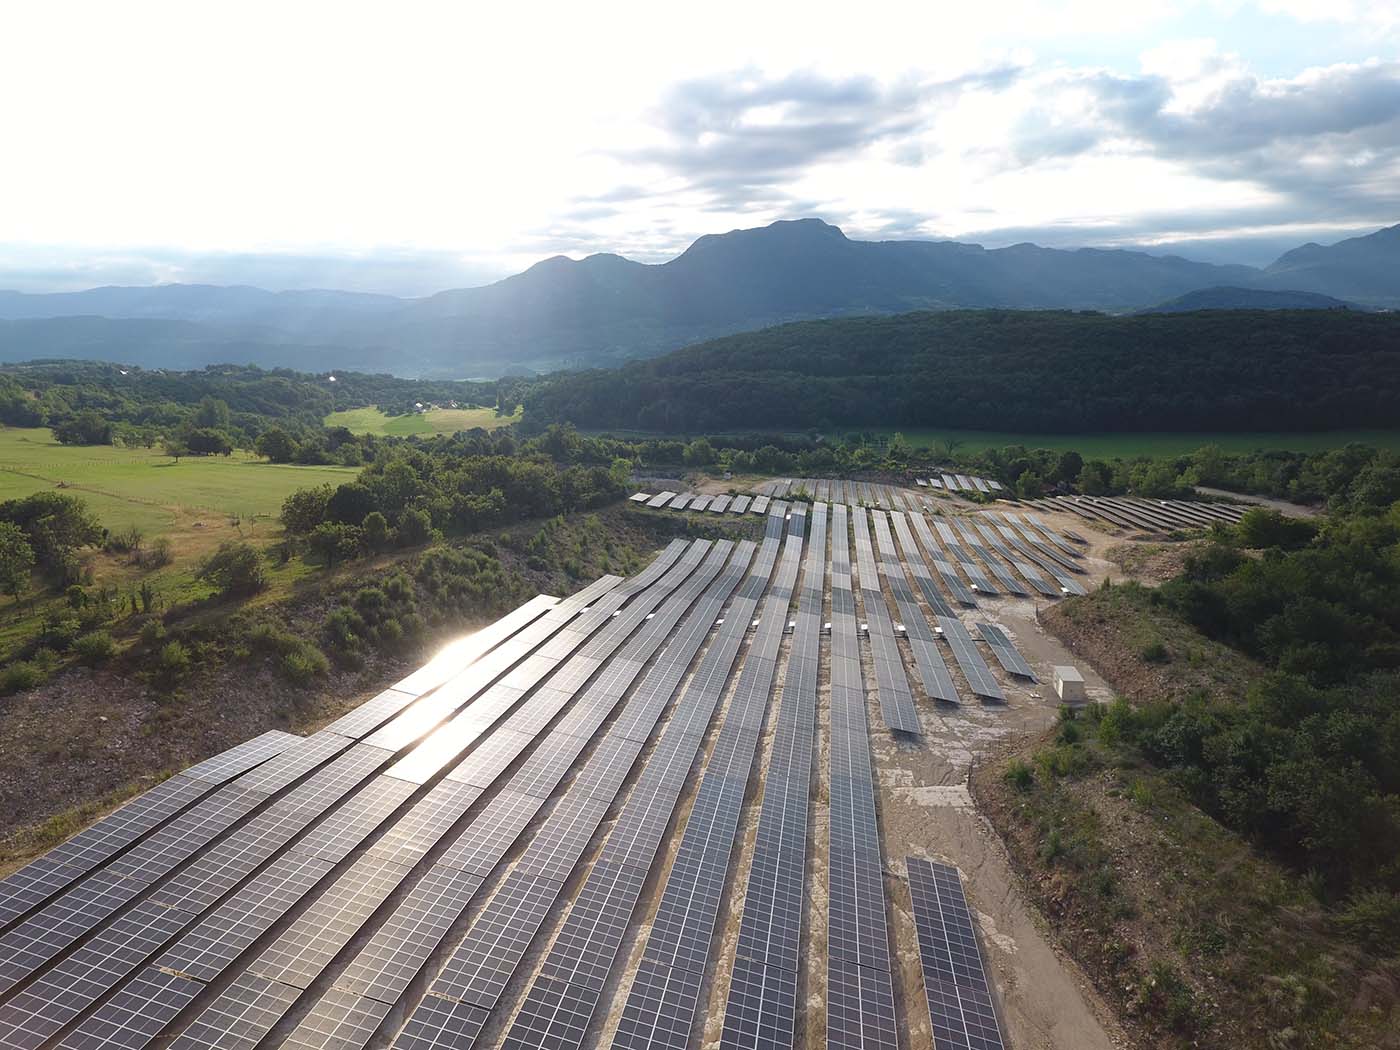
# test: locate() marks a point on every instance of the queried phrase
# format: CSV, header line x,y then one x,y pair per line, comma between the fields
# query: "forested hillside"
x,y
1037,371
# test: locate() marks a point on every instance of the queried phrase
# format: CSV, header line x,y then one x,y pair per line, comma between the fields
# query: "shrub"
x,y
344,629
1155,653
370,600
1372,919
304,663
172,662
125,541
152,631
60,631
236,569
94,647
390,633
1019,775
21,675
156,556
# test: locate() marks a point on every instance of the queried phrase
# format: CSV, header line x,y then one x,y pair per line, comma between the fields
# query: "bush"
x,y
21,675
1019,775
1372,919
302,664
172,662
390,633
152,631
1155,653
94,647
125,541
157,555
60,631
236,569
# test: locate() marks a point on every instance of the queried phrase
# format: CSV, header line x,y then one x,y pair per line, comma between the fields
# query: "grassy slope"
x,y
1197,938
197,503
438,421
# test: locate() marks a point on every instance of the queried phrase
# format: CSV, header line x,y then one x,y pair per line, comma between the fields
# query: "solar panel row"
x,y
860,997
299,954
237,856
970,662
63,865
762,1002
891,682
945,569
566,992
968,564
479,968
1005,651
985,541
955,981
682,930
914,558
1039,554
933,672
975,543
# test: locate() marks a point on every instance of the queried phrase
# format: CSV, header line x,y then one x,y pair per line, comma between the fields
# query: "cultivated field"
x,y
437,421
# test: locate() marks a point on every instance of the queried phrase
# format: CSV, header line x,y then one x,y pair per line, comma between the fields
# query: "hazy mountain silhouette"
x,y
563,312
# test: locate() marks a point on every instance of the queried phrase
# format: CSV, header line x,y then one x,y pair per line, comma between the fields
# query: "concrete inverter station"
x,y
650,814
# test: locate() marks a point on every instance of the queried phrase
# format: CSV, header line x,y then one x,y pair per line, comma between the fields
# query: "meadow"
x,y
196,503
436,421
145,487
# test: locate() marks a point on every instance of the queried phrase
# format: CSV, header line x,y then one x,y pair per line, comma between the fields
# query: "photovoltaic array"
x,y
955,981
462,858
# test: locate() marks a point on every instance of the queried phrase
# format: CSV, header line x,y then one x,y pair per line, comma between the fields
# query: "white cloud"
x,y
495,134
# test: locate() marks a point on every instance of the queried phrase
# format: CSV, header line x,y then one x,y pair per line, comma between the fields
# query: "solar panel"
x,y
860,1001
719,504
1005,651
955,981
661,499
892,684
63,865
341,1021
566,993
970,662
932,671
660,1012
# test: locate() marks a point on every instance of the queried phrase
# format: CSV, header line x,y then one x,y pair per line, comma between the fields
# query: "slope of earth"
x,y
1195,937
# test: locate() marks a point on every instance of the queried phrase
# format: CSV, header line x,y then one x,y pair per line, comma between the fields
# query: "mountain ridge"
x,y
605,308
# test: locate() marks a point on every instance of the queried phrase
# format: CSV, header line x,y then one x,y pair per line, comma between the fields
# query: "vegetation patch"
x,y
1193,936
374,420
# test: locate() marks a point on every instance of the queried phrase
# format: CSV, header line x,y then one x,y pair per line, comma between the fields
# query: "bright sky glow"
x,y
415,146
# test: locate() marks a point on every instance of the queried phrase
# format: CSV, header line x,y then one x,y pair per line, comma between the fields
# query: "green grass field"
x,y
139,486
1110,445
437,421
196,503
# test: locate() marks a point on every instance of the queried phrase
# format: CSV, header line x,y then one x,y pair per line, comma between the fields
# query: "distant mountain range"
x,y
605,309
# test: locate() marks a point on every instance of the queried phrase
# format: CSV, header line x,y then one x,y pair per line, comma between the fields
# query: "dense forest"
x,y
1042,371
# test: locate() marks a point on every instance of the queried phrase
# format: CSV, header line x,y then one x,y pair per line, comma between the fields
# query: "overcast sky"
x,y
410,147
